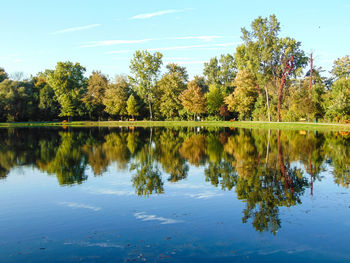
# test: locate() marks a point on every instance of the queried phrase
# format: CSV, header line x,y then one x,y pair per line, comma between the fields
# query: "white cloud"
x,y
205,195
78,205
159,13
106,191
103,43
163,221
204,38
211,46
73,29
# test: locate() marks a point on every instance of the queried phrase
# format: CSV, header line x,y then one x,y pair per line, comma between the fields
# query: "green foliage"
x,y
338,101
264,53
247,83
116,96
193,99
170,88
97,85
221,72
69,85
131,106
48,104
145,68
341,68
215,98
242,100
3,75
17,100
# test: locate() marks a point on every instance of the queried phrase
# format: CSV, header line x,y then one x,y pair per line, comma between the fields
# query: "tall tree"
x,y
145,68
221,72
175,69
116,96
243,98
48,104
193,99
170,86
263,52
69,85
339,100
96,88
341,67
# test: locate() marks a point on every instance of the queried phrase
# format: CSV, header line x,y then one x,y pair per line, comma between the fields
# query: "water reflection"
x,y
266,169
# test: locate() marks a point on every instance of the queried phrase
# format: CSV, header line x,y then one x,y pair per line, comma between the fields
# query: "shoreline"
x,y
235,124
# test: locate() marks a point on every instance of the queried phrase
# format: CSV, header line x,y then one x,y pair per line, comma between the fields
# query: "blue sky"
x,y
103,35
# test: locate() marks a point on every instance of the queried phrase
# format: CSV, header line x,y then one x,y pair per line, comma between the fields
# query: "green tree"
x,y
131,106
215,99
116,96
242,100
175,69
341,68
48,104
221,72
193,99
69,85
3,75
18,100
170,86
97,85
145,68
338,101
264,53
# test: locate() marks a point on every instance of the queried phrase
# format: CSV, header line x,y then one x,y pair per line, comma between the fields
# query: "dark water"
x,y
174,195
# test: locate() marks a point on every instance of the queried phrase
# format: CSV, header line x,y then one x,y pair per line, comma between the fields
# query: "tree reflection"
x,y
265,169
147,179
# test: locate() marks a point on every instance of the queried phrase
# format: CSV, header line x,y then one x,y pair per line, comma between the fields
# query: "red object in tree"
x,y
311,62
288,66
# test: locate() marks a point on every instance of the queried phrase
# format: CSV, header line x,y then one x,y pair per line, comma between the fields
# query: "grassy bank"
x,y
238,124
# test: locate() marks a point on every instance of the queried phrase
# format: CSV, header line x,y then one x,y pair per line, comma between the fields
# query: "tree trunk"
x,y
280,94
268,102
268,147
311,175
150,111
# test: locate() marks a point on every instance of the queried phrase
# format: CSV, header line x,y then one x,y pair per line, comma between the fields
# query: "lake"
x,y
174,195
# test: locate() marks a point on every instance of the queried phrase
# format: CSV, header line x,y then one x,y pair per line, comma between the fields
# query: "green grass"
x,y
238,124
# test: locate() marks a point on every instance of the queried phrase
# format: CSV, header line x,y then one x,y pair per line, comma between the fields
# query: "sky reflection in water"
x,y
173,195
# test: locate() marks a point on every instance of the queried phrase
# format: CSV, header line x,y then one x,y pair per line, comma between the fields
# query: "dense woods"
x,y
269,78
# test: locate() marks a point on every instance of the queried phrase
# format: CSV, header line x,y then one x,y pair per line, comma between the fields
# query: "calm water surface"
x,y
174,195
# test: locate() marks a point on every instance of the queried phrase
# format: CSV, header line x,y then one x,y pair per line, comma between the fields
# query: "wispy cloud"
x,y
163,221
205,195
103,43
212,46
73,29
111,192
78,205
204,38
160,13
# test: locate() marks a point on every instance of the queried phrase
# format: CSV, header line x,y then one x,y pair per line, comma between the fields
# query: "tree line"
x,y
268,78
